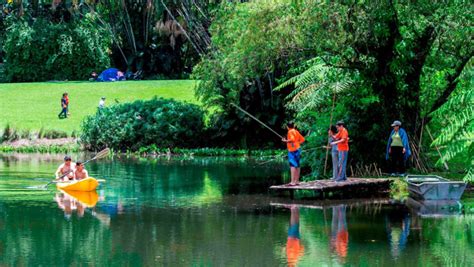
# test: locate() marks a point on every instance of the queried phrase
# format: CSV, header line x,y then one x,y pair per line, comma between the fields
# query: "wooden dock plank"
x,y
324,185
328,189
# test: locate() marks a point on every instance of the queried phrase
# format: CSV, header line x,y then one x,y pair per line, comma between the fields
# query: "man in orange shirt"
x,y
342,141
293,141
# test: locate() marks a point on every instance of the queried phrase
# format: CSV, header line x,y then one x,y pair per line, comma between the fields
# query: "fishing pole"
x,y
251,116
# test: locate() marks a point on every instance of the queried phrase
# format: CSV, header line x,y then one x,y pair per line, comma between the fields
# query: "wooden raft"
x,y
352,187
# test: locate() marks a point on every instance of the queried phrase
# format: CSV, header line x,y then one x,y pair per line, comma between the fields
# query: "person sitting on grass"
x,y
80,173
66,169
94,76
293,141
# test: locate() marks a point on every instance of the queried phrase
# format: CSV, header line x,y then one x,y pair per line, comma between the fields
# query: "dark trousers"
x,y
397,160
63,113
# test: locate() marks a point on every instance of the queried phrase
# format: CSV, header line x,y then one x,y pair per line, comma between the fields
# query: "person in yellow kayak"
x,y
66,169
293,141
80,173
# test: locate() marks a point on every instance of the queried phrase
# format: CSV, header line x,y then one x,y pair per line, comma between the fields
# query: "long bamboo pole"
x,y
330,123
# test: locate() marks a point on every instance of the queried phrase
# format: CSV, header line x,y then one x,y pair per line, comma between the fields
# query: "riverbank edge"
x,y
71,145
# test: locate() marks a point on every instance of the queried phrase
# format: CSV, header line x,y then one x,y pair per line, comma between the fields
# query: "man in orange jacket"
x,y
293,141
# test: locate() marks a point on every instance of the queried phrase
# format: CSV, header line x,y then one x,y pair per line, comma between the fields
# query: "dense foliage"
x,y
456,119
311,61
157,38
44,50
383,62
368,64
250,50
162,122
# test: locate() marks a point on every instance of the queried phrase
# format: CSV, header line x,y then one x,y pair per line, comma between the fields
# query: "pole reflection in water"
x,y
294,248
339,233
398,229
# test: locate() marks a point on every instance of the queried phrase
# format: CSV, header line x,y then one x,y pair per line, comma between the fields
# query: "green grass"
x,y
32,106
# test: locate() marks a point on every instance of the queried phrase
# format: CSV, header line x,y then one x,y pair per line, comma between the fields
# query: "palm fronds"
x,y
315,85
457,132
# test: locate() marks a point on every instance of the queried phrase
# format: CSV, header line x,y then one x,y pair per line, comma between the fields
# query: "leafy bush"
x,y
52,134
43,50
129,126
9,134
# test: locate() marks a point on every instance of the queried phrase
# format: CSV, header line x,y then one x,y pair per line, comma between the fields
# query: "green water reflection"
x,y
209,212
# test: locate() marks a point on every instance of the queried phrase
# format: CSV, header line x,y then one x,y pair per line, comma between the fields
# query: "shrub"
x,y
9,134
43,50
129,126
52,134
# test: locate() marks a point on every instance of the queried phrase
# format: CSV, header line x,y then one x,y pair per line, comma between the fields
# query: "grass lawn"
x,y
32,106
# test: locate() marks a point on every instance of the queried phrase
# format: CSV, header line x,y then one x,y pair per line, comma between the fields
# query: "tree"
x,y
402,60
252,46
154,36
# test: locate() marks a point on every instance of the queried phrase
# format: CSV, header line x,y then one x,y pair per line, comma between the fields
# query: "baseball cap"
x,y
396,123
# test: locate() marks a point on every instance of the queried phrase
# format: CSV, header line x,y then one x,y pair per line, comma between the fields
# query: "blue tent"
x,y
111,75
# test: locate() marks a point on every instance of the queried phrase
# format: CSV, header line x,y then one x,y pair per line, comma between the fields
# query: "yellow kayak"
x,y
86,185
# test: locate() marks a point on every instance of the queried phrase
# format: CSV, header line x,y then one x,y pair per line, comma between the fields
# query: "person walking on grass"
x,y
342,142
398,149
64,106
293,142
67,104
101,103
334,152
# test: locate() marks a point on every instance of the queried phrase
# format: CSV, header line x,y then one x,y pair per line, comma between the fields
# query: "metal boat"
x,y
433,187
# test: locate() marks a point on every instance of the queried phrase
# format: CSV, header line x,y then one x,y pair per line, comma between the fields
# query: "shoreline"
x,y
41,145
71,145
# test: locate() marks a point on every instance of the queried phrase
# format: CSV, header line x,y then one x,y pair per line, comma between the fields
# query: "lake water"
x,y
212,212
